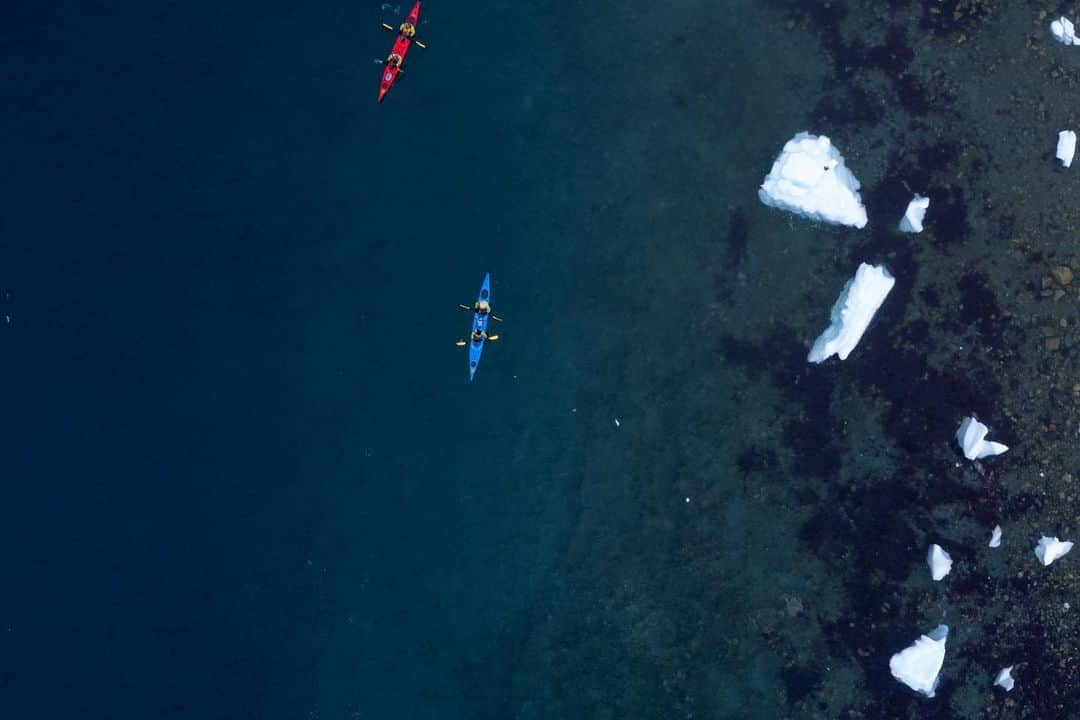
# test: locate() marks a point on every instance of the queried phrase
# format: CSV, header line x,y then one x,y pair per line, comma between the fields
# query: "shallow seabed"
x,y
753,537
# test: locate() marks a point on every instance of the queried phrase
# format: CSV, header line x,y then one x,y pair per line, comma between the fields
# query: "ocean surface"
x,y
245,475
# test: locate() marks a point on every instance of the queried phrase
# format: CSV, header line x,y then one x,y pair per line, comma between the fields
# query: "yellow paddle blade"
x,y
493,337
464,307
461,343
422,45
388,27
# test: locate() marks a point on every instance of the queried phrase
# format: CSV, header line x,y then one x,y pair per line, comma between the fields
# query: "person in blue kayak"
x,y
478,336
483,307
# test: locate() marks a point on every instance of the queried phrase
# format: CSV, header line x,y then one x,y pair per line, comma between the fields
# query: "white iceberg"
x,y
1005,679
995,537
1066,147
972,438
1050,549
852,313
1063,31
913,216
939,561
809,178
918,666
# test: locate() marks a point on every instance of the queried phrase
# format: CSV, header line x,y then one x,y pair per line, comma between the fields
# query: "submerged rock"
x,y
1063,32
912,222
972,438
851,314
1066,147
1062,274
995,537
1050,549
918,666
939,561
809,178
1005,679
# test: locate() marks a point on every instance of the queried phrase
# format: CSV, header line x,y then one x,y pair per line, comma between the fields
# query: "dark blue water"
x,y
246,476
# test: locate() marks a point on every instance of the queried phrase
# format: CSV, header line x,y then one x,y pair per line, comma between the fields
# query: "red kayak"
x,y
406,37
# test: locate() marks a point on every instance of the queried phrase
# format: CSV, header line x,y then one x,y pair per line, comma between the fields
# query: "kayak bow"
x,y
480,322
402,43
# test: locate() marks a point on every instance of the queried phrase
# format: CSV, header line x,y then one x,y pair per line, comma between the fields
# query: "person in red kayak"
x,y
407,29
394,60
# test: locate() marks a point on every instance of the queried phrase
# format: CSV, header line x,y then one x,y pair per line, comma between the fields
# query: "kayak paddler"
x,y
478,336
394,60
483,307
407,29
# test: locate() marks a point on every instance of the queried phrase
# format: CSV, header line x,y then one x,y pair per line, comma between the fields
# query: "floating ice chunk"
x,y
1050,549
918,665
913,216
1066,147
995,537
858,301
1063,31
1005,679
939,561
809,178
972,438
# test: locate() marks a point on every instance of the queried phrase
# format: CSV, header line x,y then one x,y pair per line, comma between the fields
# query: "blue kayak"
x,y
479,322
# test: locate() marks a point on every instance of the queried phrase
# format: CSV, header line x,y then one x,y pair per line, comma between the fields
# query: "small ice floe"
x,y
913,216
616,422
809,178
1005,679
918,665
850,316
1063,31
1066,147
972,438
939,561
995,537
1050,549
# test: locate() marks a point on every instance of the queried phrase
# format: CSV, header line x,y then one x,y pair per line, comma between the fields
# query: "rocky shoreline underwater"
x,y
797,566
962,101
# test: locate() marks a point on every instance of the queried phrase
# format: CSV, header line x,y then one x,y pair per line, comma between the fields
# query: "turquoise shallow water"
x,y
246,475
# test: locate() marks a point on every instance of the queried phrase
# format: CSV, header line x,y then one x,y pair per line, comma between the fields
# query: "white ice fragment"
x,y
850,316
809,178
939,561
918,665
616,422
972,438
995,537
1005,679
1063,31
1066,147
913,216
1050,549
